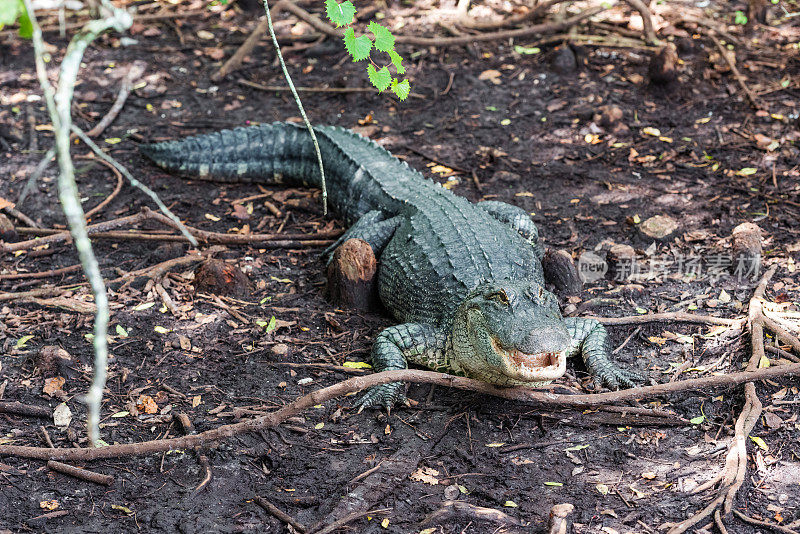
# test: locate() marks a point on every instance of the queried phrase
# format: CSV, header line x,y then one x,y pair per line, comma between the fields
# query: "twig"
x,y
17,408
188,428
261,87
46,436
647,19
671,316
738,75
149,192
59,105
782,353
321,26
83,474
777,528
465,509
20,216
114,193
235,61
300,107
339,523
37,172
358,383
279,514
125,89
513,20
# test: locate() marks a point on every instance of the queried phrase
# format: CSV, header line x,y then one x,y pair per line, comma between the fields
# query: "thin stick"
x,y
671,316
59,105
17,408
42,274
20,216
738,75
211,437
83,474
125,89
344,90
37,172
117,188
149,192
300,107
279,514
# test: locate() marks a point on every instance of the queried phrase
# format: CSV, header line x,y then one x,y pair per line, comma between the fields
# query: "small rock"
x,y
7,231
563,60
280,349
662,70
608,116
621,260
783,498
452,492
660,227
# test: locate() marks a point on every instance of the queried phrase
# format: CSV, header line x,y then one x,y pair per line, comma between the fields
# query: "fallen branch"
x,y
101,231
17,408
83,474
235,61
209,438
738,75
671,316
279,514
117,188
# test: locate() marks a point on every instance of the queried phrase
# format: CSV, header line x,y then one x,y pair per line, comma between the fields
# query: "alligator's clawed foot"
x,y
617,378
383,396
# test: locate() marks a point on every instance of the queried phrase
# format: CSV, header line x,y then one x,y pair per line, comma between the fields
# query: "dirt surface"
x,y
502,125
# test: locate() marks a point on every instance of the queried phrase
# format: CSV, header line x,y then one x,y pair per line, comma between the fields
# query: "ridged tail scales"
x,y
284,153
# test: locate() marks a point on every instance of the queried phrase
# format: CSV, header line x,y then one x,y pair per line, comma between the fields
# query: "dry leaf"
x,y
53,385
146,404
425,474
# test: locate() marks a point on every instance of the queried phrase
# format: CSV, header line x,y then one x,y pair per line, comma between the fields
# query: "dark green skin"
x,y
464,280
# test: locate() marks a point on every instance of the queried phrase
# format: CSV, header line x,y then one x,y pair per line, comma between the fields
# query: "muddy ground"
x,y
512,127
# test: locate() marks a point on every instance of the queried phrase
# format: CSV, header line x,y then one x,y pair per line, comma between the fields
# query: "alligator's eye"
x,y
498,296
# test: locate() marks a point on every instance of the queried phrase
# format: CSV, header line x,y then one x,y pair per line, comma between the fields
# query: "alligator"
x,y
464,280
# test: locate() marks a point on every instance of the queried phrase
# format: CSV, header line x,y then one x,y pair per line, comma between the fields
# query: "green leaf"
x,y
21,342
379,78
340,14
384,40
397,61
747,171
25,25
527,50
357,47
8,11
740,18
760,442
270,325
556,484
401,89
121,331
697,420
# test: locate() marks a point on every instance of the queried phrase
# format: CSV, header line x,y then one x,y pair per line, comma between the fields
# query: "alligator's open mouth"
x,y
532,367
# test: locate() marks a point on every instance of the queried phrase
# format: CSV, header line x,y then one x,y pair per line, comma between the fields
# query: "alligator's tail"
x,y
278,153
360,175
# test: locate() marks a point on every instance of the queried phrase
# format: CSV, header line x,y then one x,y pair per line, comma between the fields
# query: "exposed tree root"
x,y
733,474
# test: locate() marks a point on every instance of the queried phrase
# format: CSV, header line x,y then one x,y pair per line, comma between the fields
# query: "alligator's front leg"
x,y
394,347
372,228
590,340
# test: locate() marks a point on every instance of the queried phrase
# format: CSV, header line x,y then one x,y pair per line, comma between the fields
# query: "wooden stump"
x,y
662,69
621,260
7,231
351,276
220,278
558,522
746,260
560,270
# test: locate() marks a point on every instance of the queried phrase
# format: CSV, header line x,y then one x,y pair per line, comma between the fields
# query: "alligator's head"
x,y
511,333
